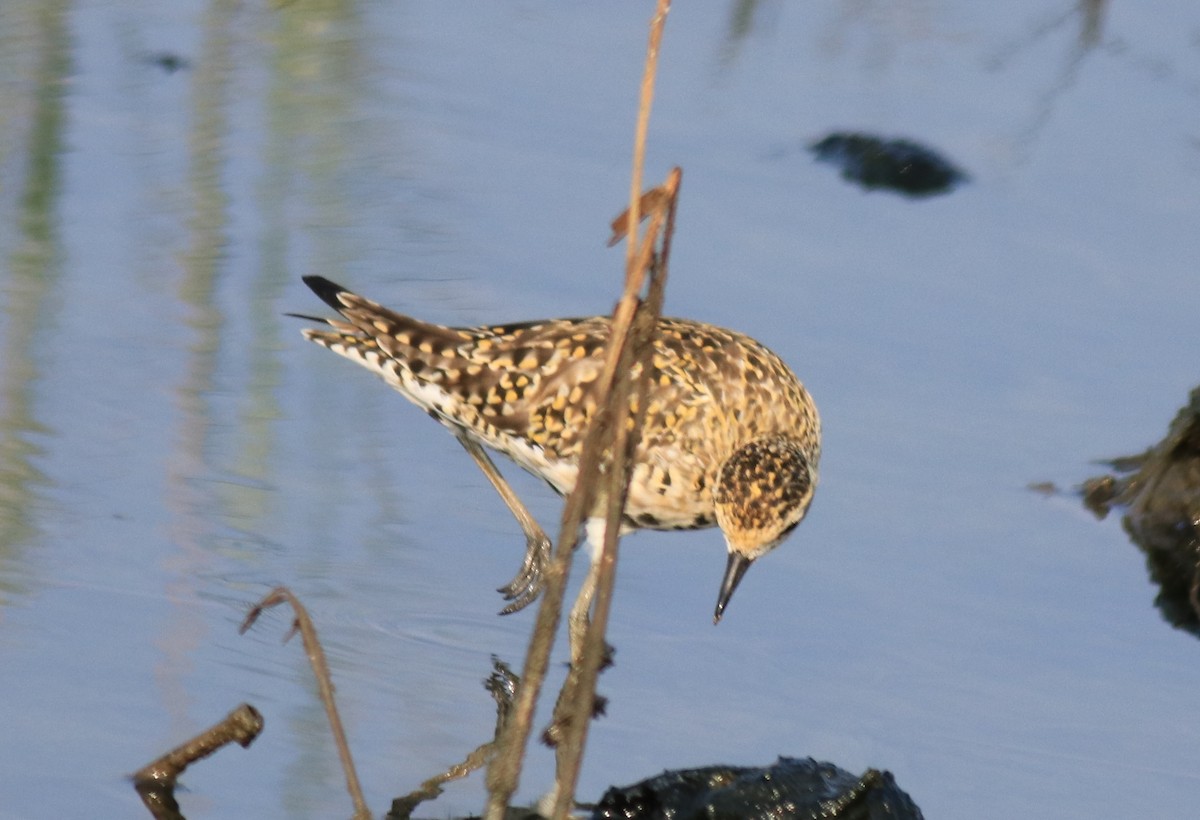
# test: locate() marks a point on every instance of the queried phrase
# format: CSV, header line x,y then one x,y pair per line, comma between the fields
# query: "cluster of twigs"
x,y
603,479
603,474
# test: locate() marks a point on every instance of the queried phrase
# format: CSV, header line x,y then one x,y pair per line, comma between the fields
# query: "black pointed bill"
x,y
734,570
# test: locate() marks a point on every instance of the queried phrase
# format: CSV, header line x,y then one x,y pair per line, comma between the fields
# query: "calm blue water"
x,y
171,448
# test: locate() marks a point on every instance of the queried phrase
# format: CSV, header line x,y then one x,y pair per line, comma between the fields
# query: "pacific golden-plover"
x,y
730,436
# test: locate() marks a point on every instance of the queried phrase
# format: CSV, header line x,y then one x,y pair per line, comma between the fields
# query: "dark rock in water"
x,y
898,164
791,788
1160,491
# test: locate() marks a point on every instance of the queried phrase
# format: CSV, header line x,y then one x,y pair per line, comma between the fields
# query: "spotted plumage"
x,y
730,436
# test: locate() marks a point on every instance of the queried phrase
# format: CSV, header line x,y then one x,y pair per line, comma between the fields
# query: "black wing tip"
x,y
326,290
307,317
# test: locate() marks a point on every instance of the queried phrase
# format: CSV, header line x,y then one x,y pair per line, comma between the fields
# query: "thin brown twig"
x,y
502,685
627,392
504,772
505,768
155,782
657,23
303,624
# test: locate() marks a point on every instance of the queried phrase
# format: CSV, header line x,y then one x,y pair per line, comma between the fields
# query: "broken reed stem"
x,y
636,357
155,782
505,769
303,624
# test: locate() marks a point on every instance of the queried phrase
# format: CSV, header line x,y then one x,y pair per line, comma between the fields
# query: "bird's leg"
x,y
525,586
577,625
581,611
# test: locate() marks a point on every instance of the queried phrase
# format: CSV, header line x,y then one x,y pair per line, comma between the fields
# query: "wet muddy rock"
x,y
790,788
1160,493
899,165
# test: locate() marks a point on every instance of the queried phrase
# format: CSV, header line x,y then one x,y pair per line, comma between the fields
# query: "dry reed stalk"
x,y
607,432
303,624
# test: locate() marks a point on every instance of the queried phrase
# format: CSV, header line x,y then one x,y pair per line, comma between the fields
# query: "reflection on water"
x,y
38,55
189,497
1090,17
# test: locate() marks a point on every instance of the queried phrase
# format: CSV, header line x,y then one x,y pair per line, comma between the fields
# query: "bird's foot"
x,y
527,584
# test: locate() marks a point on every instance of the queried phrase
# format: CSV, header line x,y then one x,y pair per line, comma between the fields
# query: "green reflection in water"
x,y
188,493
317,70
34,263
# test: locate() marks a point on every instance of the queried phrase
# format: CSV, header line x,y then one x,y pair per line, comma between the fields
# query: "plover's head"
x,y
762,493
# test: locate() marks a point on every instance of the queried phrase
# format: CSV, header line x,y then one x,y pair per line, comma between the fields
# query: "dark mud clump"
x,y
790,788
898,165
1160,493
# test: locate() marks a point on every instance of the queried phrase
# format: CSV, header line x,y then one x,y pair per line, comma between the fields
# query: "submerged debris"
x,y
168,61
896,164
502,684
1160,491
790,788
155,782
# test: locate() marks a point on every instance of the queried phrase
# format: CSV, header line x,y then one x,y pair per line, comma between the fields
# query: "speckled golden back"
x,y
528,390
